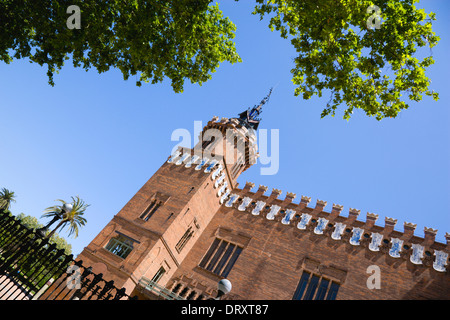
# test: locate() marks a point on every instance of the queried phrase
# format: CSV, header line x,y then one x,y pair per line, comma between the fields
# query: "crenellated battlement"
x,y
225,138
403,245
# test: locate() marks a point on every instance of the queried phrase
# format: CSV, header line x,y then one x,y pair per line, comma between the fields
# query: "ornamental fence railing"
x,y
33,268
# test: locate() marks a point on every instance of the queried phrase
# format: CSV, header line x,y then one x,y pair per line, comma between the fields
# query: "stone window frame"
x,y
184,239
334,274
311,287
159,274
120,245
156,201
150,210
188,234
221,256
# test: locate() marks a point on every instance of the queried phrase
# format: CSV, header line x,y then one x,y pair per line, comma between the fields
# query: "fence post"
x,y
43,289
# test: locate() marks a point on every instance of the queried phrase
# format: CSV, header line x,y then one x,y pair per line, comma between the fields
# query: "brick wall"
x,y
274,254
271,264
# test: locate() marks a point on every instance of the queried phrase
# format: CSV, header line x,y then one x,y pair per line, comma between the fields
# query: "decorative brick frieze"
x,y
264,240
356,233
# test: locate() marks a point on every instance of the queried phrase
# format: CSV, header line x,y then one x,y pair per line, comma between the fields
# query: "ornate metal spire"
x,y
250,117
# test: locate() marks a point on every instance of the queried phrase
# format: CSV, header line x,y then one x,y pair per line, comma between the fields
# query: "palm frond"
x,y
72,219
6,198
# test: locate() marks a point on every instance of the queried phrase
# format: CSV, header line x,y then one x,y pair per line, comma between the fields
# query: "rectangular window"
x,y
120,246
209,253
237,167
184,239
216,256
322,290
312,286
221,257
301,286
150,210
332,292
158,275
231,262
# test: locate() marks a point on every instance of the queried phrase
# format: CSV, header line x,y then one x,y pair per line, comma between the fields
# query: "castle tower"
x,y
191,226
152,234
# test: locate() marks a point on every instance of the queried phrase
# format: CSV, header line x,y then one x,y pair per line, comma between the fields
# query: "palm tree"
x,y
72,218
6,198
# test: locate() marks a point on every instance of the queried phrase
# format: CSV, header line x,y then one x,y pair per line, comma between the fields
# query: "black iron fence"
x,y
32,268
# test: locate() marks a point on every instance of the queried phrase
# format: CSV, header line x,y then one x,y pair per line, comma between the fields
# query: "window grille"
x,y
315,287
184,239
120,246
158,275
220,257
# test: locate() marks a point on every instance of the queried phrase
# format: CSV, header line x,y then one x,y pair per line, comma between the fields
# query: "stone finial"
x,y
251,184
335,210
276,191
291,195
389,224
390,221
408,228
261,190
371,218
236,121
352,215
305,200
430,231
248,186
430,236
215,118
274,195
288,199
447,238
409,225
321,203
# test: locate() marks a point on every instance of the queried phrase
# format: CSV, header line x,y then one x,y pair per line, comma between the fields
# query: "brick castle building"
x,y
190,226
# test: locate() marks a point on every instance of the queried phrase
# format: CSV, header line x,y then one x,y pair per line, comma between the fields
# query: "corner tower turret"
x,y
148,239
232,141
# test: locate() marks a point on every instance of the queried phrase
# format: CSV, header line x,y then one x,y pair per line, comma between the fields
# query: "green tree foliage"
x,y
178,39
33,223
376,70
34,261
364,68
6,198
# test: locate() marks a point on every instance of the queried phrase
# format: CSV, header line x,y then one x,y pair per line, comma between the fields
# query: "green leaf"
x,y
371,70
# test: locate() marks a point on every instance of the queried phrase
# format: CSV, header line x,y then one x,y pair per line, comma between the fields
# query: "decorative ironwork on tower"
x,y
250,117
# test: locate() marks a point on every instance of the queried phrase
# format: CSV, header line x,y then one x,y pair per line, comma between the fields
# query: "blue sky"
x,y
100,137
